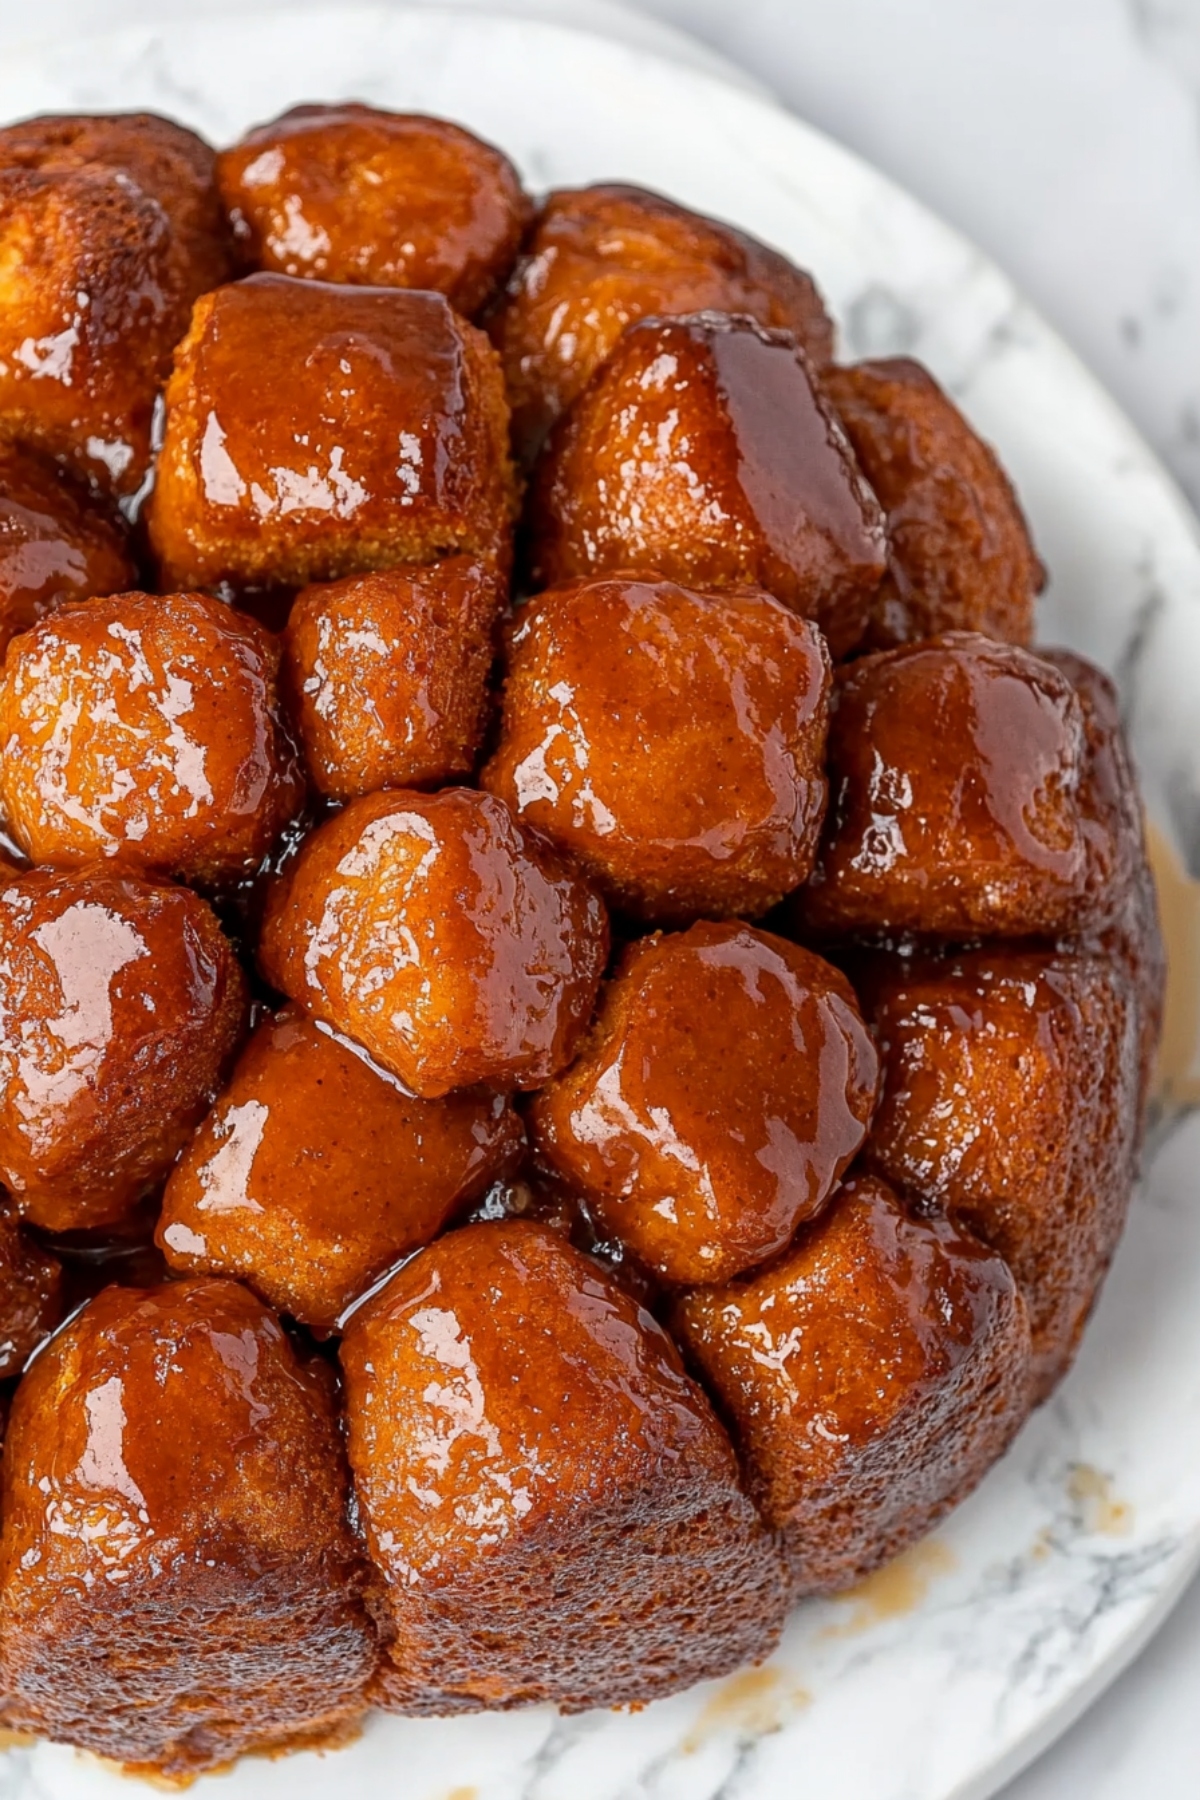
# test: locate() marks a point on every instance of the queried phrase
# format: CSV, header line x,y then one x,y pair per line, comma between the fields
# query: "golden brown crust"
x,y
1010,1101
315,431
179,1580
109,229
871,1377
443,935
704,449
353,194
960,802
671,741
121,1002
959,551
601,258
54,547
316,1170
388,675
147,728
568,1525
724,1089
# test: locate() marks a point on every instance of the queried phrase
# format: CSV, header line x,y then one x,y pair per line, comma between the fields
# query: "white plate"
x,y
946,1673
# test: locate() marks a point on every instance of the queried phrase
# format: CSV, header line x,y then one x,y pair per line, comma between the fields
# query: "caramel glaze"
x,y
349,193
705,449
601,258
109,229
500,1391
959,551
388,675
1010,1101
960,803
672,742
147,727
120,1002
316,1170
445,936
178,1577
53,546
870,1376
1119,862
726,1085
32,1295
316,431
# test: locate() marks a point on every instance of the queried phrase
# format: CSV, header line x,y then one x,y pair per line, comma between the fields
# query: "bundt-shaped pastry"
x,y
600,258
725,1087
178,1578
122,1001
672,742
316,1170
554,1509
871,1376
109,229
704,448
351,193
442,934
959,553
314,432
147,728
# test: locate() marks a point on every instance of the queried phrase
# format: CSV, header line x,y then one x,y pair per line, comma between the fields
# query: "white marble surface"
x,y
1062,135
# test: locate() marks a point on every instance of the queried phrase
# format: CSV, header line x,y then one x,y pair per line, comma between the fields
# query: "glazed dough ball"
x,y
388,675
705,449
600,258
870,1377
555,1511
726,1086
315,431
179,1579
443,935
960,803
54,547
672,742
109,229
350,193
31,1296
147,727
1010,1101
120,1002
959,552
316,1170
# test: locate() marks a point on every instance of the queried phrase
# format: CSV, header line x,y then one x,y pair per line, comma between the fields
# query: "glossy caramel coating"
x,y
553,1507
442,934
959,552
672,742
178,1577
109,229
870,1377
388,675
350,193
120,1001
53,546
1010,1101
725,1087
147,727
315,431
1117,854
32,1295
704,449
316,1170
601,258
958,803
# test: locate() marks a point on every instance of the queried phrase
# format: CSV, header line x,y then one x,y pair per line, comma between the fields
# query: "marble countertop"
x,y
1063,136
